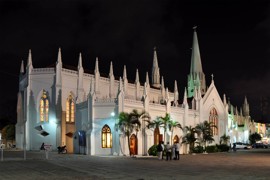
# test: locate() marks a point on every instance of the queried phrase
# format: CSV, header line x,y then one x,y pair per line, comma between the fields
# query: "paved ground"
x,y
245,164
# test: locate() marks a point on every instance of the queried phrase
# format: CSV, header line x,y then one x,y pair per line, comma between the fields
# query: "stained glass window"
x,y
44,107
213,118
70,109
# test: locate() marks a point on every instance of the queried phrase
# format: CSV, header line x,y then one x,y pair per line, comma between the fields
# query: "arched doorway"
x,y
133,145
156,136
175,139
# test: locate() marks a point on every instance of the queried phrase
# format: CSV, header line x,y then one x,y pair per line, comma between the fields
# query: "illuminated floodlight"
x,y
112,114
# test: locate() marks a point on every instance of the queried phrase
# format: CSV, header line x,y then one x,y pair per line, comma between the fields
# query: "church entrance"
x,y
133,145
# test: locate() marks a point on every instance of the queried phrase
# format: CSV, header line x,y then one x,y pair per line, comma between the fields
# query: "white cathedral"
x,y
60,106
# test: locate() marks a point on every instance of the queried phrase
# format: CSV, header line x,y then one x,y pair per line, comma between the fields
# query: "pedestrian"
x,y
177,149
234,147
42,147
163,148
159,150
168,151
173,150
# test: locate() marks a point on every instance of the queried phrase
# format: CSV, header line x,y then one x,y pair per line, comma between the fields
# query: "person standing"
x,y
163,148
159,150
177,149
168,151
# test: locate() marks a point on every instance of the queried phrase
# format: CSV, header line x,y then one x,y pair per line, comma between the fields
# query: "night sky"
x,y
234,40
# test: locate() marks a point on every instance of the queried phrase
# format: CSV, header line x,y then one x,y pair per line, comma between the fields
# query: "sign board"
x,y
48,147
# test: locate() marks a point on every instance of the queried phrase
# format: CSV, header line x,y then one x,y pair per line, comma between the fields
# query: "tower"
x,y
196,77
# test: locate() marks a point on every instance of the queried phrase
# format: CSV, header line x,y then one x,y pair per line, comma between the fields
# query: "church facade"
x,y
60,106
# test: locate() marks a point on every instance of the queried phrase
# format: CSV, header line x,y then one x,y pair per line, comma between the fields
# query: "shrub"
x,y
223,147
152,150
197,149
211,149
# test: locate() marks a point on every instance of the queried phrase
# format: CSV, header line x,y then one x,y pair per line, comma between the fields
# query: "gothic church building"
x,y
60,106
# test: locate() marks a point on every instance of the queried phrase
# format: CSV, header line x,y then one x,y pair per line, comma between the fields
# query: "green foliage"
x,y
223,147
152,151
8,132
224,139
197,149
130,122
211,149
254,137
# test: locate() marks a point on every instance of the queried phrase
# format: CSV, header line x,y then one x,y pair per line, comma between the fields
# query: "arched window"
x,y
106,138
44,107
213,118
70,110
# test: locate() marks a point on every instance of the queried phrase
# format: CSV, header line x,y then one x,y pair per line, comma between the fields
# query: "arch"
x,y
156,136
70,109
133,144
176,139
106,137
213,118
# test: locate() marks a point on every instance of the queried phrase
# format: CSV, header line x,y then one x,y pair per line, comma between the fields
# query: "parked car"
x,y
240,145
259,145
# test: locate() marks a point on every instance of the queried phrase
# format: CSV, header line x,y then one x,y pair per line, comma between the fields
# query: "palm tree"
x,y
164,123
189,137
128,122
173,125
224,139
155,124
205,129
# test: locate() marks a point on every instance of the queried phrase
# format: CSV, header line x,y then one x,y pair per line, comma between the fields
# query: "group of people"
x,y
172,152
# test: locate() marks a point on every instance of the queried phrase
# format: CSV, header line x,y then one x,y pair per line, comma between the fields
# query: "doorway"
x,y
133,145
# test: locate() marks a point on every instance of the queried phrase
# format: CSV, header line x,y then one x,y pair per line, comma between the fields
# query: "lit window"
x,y
106,137
213,118
44,107
70,109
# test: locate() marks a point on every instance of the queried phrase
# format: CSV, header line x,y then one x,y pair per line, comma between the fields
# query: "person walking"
x,y
177,149
168,151
159,150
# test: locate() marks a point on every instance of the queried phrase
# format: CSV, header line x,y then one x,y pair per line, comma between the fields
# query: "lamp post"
x,y
24,141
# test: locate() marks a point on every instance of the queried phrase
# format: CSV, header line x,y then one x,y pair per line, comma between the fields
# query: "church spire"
x,y
59,58
185,98
196,68
80,61
29,62
125,73
155,71
96,66
196,64
137,80
111,69
147,78
22,68
176,94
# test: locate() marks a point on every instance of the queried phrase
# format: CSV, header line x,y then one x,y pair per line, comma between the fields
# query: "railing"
x,y
43,70
107,100
69,71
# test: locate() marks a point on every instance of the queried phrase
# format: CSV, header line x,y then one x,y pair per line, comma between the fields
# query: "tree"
x,y
8,132
254,137
128,122
155,124
173,125
165,123
189,137
224,139
205,130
